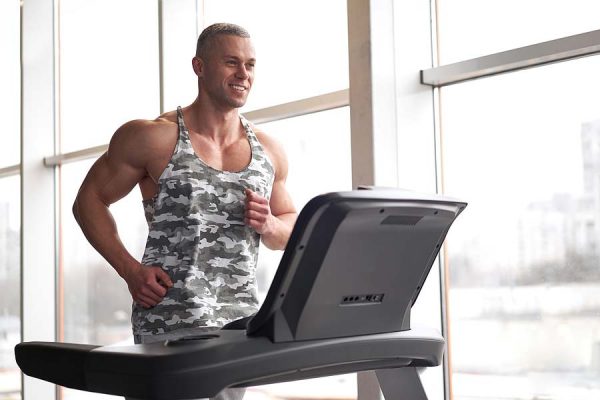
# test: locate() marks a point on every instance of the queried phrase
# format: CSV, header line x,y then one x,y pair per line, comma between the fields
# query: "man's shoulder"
x,y
272,146
143,137
148,126
267,140
146,130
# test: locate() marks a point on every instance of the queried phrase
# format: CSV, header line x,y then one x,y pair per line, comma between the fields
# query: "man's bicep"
x,y
281,202
111,178
121,168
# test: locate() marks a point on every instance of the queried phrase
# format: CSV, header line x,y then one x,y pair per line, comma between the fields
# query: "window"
x,y
472,28
10,203
108,69
295,59
10,286
523,258
121,83
109,74
10,94
96,302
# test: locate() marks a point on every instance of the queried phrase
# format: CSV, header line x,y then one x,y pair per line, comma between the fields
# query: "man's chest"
x,y
233,157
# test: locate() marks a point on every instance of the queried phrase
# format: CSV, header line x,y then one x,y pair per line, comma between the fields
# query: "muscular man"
x,y
213,186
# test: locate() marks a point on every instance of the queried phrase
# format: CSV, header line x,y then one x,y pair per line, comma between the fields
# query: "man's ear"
x,y
198,66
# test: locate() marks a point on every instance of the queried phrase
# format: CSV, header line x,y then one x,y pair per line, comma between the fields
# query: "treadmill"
x,y
340,302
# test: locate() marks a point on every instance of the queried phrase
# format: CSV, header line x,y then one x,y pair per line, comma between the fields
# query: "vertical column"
x,y
414,101
418,155
372,92
38,266
179,35
372,111
392,123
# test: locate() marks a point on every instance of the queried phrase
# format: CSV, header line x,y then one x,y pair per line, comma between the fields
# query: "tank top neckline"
x,y
184,135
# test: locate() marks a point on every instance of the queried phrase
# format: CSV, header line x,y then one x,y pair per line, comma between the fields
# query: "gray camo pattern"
x,y
198,236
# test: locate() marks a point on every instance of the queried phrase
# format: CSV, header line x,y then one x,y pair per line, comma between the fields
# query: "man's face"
x,y
227,72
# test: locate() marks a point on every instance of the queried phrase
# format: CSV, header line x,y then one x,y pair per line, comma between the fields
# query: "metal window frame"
x,y
540,54
292,109
38,184
392,121
11,170
552,51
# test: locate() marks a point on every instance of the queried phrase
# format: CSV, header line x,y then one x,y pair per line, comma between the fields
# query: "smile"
x,y
239,88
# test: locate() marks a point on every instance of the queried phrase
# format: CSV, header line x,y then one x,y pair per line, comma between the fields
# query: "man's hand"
x,y
275,229
258,213
147,285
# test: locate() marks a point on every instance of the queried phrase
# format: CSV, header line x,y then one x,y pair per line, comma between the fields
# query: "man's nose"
x,y
242,72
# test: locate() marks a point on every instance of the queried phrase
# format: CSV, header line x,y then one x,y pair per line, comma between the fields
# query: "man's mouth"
x,y
238,88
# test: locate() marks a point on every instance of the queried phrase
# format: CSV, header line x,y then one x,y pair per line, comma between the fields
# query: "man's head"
x,y
224,64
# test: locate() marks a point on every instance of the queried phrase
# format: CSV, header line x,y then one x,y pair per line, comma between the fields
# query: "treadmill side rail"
x,y
60,363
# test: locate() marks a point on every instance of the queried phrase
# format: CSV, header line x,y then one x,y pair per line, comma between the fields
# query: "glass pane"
x,y
10,287
473,28
523,150
308,63
96,305
10,82
179,36
313,169
108,68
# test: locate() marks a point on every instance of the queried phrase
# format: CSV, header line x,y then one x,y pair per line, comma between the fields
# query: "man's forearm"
x,y
100,229
280,233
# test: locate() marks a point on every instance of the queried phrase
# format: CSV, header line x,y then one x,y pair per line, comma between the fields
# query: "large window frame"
x,y
371,26
562,49
42,160
387,76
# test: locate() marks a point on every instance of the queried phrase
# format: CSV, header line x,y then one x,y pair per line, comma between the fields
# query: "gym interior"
x,y
489,102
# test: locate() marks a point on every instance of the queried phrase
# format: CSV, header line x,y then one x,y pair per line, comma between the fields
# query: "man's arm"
x,y
111,177
274,219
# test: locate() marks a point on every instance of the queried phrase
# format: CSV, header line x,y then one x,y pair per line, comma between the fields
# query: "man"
x,y
213,186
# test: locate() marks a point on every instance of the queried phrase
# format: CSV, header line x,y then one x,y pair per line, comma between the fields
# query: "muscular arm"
x,y
111,177
273,219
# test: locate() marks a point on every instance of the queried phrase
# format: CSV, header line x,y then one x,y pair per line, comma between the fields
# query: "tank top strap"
x,y
183,141
245,123
250,133
182,129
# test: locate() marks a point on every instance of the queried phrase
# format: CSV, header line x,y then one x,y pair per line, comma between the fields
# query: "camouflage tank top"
x,y
198,236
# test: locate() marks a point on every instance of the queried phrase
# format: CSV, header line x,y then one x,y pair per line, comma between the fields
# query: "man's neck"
x,y
218,124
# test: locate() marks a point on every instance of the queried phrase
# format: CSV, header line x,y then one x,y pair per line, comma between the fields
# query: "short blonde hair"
x,y
210,32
